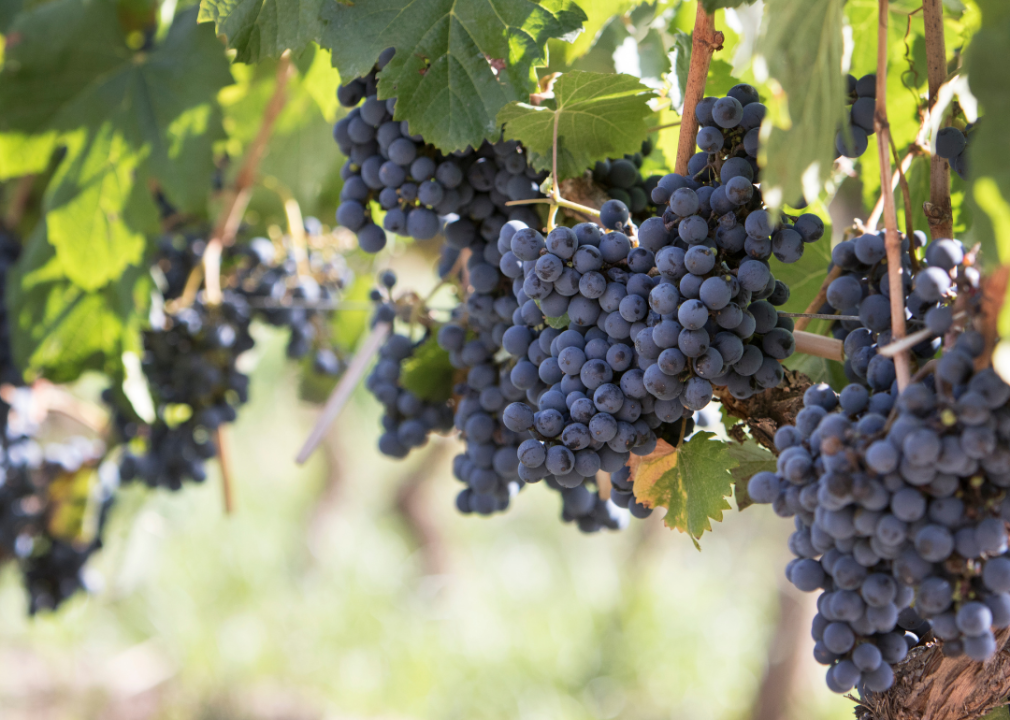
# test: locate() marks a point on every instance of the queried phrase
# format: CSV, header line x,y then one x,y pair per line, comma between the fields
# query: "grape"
x,y
862,114
614,214
945,254
753,275
870,248
710,139
727,112
684,202
950,142
736,167
854,145
739,190
614,247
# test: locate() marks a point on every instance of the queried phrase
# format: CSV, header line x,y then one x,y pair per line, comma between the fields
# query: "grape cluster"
x,y
407,420
622,180
418,187
727,136
863,290
178,254
901,507
280,294
852,140
488,321
190,366
952,146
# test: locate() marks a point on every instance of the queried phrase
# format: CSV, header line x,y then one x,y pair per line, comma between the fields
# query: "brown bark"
x,y
938,210
766,412
412,507
705,41
928,686
902,365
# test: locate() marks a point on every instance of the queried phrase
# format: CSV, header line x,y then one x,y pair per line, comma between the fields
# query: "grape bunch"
x,y
177,255
622,180
727,136
952,146
281,294
900,505
190,367
490,467
419,188
852,140
863,290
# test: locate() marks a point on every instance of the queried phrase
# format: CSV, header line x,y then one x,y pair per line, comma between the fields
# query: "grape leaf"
x,y
457,62
692,483
988,153
599,115
126,117
751,459
57,329
712,5
802,46
429,374
258,29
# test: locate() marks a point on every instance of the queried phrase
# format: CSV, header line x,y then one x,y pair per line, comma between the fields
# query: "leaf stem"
x,y
705,41
941,218
892,240
561,202
231,214
224,460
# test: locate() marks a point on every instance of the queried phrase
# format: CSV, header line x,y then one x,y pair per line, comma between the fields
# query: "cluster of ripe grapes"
x,y
952,146
900,500
622,180
613,340
420,189
34,484
852,140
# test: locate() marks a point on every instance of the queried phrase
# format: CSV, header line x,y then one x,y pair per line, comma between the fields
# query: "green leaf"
x,y
802,47
599,115
558,323
989,154
691,483
457,62
264,28
751,459
57,329
93,208
712,5
72,68
1000,713
429,374
23,154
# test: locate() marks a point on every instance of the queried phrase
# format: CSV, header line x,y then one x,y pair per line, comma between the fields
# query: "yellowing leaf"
x,y
691,483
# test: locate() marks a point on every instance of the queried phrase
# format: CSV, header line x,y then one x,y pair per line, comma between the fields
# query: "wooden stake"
x,y
819,346
342,392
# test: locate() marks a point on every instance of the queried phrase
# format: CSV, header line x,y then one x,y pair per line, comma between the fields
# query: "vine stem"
x,y
657,128
231,214
342,392
902,366
939,212
819,299
224,461
704,42
19,201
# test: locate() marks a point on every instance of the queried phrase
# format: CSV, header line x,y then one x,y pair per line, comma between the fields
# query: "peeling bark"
x,y
769,410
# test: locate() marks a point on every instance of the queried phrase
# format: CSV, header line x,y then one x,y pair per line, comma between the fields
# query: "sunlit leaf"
x,y
599,115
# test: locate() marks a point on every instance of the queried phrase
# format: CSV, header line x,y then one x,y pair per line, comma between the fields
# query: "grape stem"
x,y
910,341
560,202
19,201
342,392
819,316
704,42
224,461
238,199
892,240
939,213
819,299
